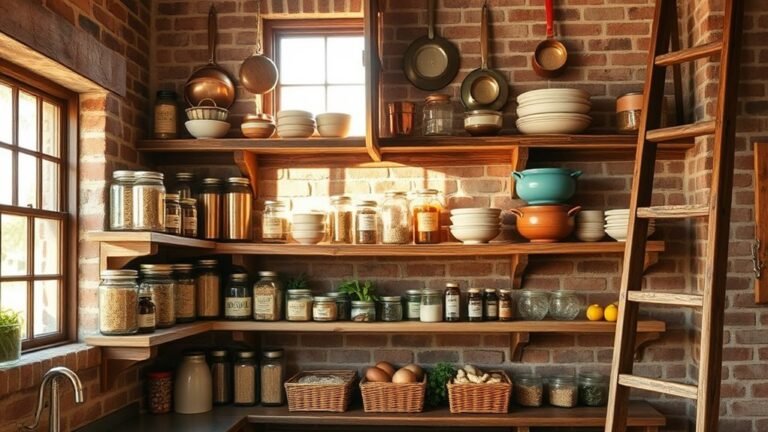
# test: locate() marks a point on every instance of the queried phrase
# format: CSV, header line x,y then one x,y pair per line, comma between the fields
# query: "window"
x,y
321,67
34,209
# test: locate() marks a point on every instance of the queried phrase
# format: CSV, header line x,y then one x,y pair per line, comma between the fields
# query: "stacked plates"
x,y
617,221
475,225
308,228
553,111
295,124
590,225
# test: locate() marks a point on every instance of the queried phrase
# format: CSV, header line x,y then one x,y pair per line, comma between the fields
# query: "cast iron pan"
x,y
484,88
431,62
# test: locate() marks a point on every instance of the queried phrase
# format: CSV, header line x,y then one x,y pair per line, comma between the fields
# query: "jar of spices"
x,y
237,208
324,309
528,390
413,305
395,219
299,305
185,292
267,297
210,202
438,115
221,377
172,214
274,222
562,391
593,389
121,200
342,305
340,220
426,217
565,305
272,377
193,387
491,305
166,115
366,223
184,185
629,107
363,311
474,305
208,289
431,306
533,305
189,217
159,392
391,308
159,279
452,302
146,312
149,201
118,303
506,306
245,379
238,298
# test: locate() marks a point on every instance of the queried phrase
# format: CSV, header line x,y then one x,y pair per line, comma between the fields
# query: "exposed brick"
x,y
432,357
397,357
346,356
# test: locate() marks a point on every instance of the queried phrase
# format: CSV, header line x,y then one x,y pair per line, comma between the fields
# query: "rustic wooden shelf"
x,y
148,237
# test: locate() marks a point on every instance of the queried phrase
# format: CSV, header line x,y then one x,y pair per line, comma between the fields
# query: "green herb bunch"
x,y
10,335
297,282
364,291
437,379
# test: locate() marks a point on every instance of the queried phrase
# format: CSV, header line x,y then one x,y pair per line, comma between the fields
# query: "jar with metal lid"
x,y
210,202
431,309
490,305
452,302
221,377
149,201
158,278
299,306
438,115
146,312
208,289
413,305
506,306
533,305
324,308
246,383
340,220
629,107
118,303
364,311
342,305
159,392
395,219
474,305
272,377
274,222
185,185
166,115
426,217
268,297
562,391
238,298
366,222
189,217
528,390
237,217
593,389
185,292
565,305
172,214
121,200
391,308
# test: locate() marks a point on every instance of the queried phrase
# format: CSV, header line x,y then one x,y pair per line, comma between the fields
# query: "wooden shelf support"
x,y
248,165
518,263
116,360
117,255
517,342
642,340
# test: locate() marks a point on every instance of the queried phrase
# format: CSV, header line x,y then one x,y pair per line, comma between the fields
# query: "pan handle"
x,y
550,26
212,30
484,38
431,18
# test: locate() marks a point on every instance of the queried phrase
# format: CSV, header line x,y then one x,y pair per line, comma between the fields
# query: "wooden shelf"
x,y
159,337
148,237
269,146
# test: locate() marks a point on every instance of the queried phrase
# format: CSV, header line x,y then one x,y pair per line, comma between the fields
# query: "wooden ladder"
x,y
712,300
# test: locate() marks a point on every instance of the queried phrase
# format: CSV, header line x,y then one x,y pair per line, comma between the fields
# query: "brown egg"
x,y
375,374
386,367
404,376
417,370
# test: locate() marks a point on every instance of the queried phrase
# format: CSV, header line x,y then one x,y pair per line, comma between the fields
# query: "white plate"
x,y
552,93
553,123
294,113
295,121
552,107
479,210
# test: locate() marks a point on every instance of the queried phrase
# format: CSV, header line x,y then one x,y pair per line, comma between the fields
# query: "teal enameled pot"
x,y
541,186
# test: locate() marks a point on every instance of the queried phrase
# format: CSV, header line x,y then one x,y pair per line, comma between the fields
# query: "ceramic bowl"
x,y
308,218
545,224
207,113
334,130
473,219
590,215
295,131
557,93
295,121
591,236
553,123
308,237
308,227
257,130
207,128
475,234
476,211
547,106
541,186
333,118
294,113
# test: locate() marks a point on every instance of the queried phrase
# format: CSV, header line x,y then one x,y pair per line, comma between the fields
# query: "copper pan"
x,y
210,81
258,73
550,57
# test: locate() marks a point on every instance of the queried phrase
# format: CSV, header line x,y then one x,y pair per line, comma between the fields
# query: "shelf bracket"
x,y
116,360
641,340
519,159
248,165
518,341
651,258
518,263
118,255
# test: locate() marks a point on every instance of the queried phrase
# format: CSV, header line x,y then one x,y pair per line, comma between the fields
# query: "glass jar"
x,y
342,305
413,305
121,200
274,222
506,306
238,298
158,278
431,309
146,312
562,391
246,386
426,217
118,303
452,302
159,392
210,201
166,115
391,308
172,214
395,219
272,377
237,208
184,187
565,305
532,305
340,220
193,389
221,377
299,305
474,305
324,309
149,201
366,222
185,292
490,305
364,311
528,390
593,389
208,289
268,297
438,115
629,108
189,217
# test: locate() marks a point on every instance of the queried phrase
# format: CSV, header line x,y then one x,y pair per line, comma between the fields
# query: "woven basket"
x,y
393,398
480,398
320,397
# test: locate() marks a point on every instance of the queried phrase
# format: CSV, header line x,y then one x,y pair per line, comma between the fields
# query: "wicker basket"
x,y
480,398
320,397
393,398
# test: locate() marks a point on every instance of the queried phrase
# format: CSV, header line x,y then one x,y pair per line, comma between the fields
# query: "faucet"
x,y
55,416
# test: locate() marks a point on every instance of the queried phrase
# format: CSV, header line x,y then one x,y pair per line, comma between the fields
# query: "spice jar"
x,y
149,201
237,217
593,389
159,392
208,289
438,115
452,302
391,308
324,308
413,305
185,292
118,303
342,305
172,214
189,217
184,185
274,222
366,222
491,305
272,377
245,379
364,311
146,312
426,217
506,306
193,389
238,298
121,201
431,306
267,297
395,219
221,377
340,220
158,278
299,305
533,305
166,115
210,209
529,390
565,305
562,391
629,107
474,305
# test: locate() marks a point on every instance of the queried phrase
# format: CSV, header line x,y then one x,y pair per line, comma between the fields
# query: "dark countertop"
x,y
221,419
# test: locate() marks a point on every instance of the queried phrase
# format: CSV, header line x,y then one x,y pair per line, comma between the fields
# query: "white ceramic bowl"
x,y
475,235
308,227
333,118
308,218
556,93
476,211
472,219
337,130
553,123
295,131
257,130
590,215
617,212
294,113
308,237
207,128
295,121
552,107
591,236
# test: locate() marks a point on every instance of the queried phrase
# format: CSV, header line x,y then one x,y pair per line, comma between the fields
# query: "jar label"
x,y
323,312
165,119
273,226
298,310
452,307
190,223
366,222
505,309
237,306
414,309
172,221
146,320
491,309
428,221
475,309
263,305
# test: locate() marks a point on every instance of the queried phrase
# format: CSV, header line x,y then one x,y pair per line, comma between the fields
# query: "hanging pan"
x,y
550,57
431,62
258,73
484,88
210,81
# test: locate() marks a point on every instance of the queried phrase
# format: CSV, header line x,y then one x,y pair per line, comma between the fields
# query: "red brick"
x,y
321,340
460,340
433,357
365,340
409,340
346,356
397,357
483,357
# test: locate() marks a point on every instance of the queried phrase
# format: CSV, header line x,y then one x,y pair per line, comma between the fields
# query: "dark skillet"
x,y
431,62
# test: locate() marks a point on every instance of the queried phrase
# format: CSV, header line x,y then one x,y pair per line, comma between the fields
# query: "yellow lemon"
x,y
595,312
611,312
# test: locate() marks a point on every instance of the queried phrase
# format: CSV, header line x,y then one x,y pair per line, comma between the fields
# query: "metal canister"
x,y
237,217
209,209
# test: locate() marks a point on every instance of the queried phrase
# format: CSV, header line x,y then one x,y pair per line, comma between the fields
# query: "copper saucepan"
x,y
258,73
484,88
210,81
550,57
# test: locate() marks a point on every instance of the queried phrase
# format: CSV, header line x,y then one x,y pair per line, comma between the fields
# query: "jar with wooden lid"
x,y
210,202
146,312
274,222
395,219
159,279
474,305
438,115
185,185
426,217
118,303
185,292
238,298
221,377
159,392
166,115
506,305
324,308
189,217
299,306
149,201
208,283
172,214
340,220
246,384
272,377
237,214
366,222
121,200
267,297
452,302
431,306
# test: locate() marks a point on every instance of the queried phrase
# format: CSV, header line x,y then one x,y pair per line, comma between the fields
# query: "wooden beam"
x,y
760,249
248,165
517,342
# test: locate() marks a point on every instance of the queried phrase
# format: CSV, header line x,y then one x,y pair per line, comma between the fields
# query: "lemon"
x,y
595,312
611,312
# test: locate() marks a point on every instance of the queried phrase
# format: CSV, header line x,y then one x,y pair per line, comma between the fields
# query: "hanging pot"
x,y
550,57
258,73
484,88
431,62
210,81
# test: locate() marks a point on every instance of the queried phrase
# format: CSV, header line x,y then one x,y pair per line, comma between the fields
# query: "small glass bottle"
x,y
274,222
272,377
185,292
452,302
246,384
210,201
208,289
426,217
172,214
149,201
491,305
431,306
184,186
118,303
267,297
299,305
189,217
474,305
391,308
158,278
121,201
395,219
593,389
166,115
146,312
506,305
413,305
438,115
324,309
366,222
221,377
238,298
340,220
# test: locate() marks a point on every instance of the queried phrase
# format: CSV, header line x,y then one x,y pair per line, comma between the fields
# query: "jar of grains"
x,y
431,306
438,115
395,219
342,305
210,201
340,220
159,279
118,303
299,306
146,312
593,389
238,298
324,308
267,297
184,187
426,217
506,306
413,305
172,214
149,201
245,379
237,210
274,222
366,222
562,391
391,308
221,377
159,392
185,291
189,217
363,311
529,390
272,377
121,200
208,285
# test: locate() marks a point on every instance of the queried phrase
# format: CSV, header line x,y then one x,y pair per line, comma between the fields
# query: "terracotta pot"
x,y
546,223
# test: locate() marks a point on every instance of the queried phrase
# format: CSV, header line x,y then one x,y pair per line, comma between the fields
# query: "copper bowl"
x,y
545,223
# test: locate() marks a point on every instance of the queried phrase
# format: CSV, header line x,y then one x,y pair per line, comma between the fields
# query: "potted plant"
x,y
363,299
10,337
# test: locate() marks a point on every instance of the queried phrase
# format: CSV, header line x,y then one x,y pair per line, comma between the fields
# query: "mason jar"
x,y
238,298
340,220
172,214
363,311
267,297
210,203
342,305
274,222
395,219
159,279
208,284
431,306
149,201
237,215
189,217
118,303
391,308
366,222
299,305
185,292
185,185
562,391
324,309
593,389
438,115
413,305
121,200
426,217
528,390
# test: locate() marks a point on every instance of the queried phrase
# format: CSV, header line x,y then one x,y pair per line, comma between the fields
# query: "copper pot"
x,y
545,223
210,81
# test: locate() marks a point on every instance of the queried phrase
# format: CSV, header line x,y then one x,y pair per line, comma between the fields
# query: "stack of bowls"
x,y
295,124
308,228
482,122
475,225
207,121
617,222
553,111
334,125
258,126
590,225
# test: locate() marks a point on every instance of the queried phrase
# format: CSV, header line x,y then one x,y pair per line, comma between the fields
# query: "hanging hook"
x,y
757,262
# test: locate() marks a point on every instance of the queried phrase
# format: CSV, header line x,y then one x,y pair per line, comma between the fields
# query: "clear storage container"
x,y
159,279
438,115
565,305
149,201
395,219
238,299
172,214
562,391
274,222
208,284
189,217
185,292
121,200
185,185
366,222
431,306
533,305
593,389
299,306
528,390
118,303
391,308
426,217
340,220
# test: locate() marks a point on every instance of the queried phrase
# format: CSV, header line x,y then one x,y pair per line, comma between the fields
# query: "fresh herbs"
x,y
359,291
437,379
10,335
297,282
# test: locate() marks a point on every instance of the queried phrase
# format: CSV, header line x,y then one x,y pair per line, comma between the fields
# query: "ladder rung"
x,y
665,298
689,54
673,212
659,386
681,132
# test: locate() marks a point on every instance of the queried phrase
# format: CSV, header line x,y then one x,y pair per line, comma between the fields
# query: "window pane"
x,y
47,246
345,60
51,128
6,177
27,121
13,295
309,98
27,181
13,245
6,114
351,100
302,60
50,186
46,307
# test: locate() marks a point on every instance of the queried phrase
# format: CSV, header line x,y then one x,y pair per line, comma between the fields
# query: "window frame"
x,y
68,101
